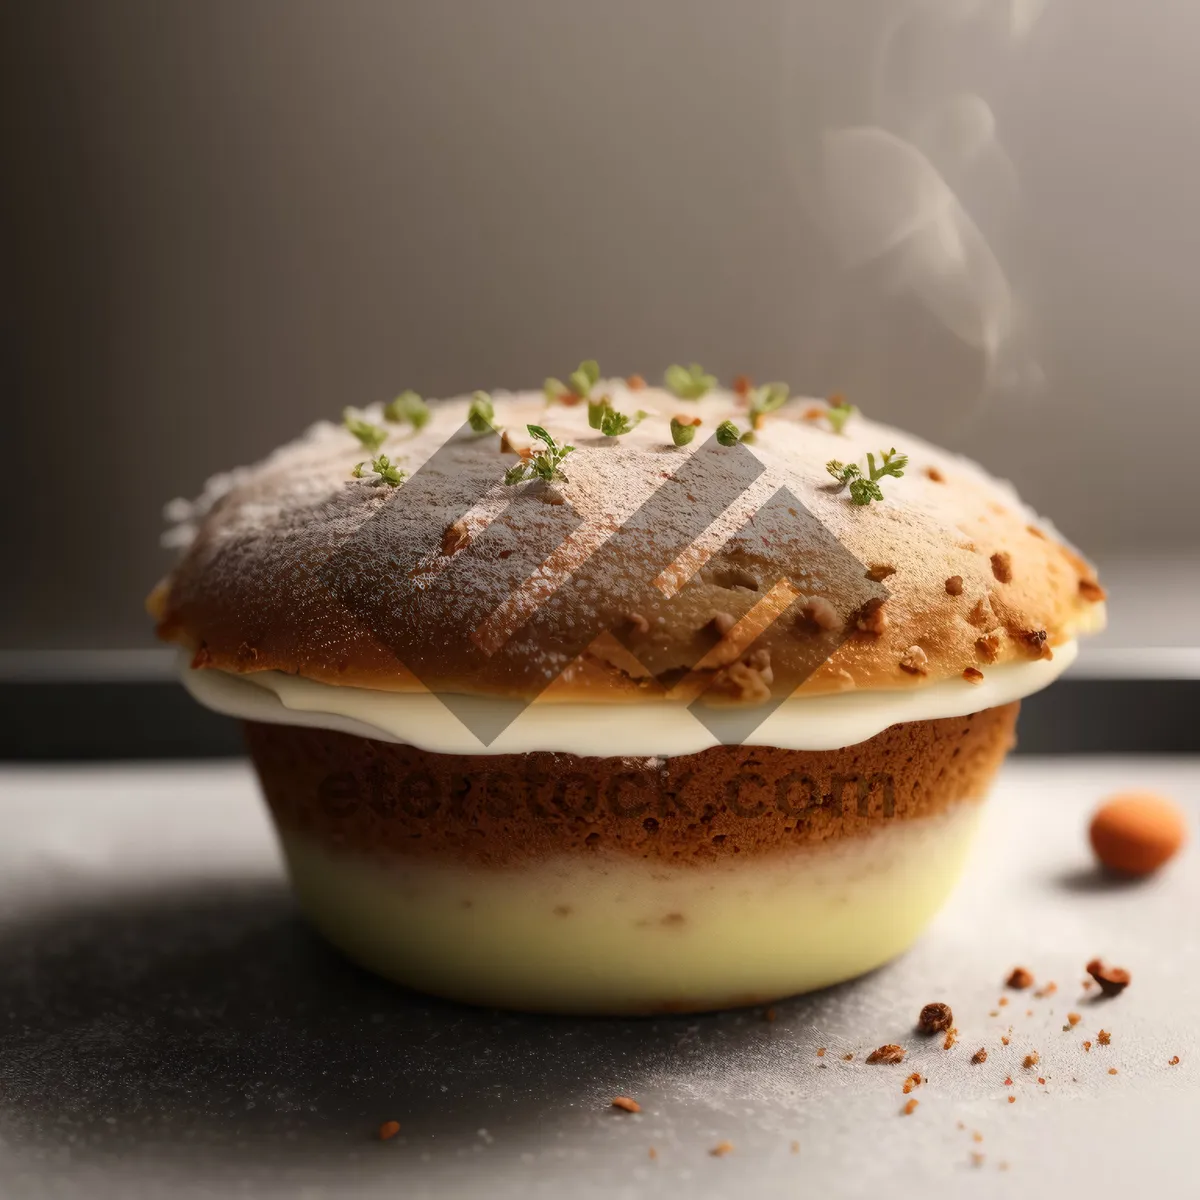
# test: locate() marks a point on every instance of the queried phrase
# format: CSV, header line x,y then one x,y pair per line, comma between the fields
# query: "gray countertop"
x,y
168,1026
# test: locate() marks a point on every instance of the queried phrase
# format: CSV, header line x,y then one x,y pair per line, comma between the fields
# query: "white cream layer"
x,y
635,730
618,934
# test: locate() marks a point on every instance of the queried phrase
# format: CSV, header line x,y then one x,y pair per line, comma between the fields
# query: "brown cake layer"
x,y
393,800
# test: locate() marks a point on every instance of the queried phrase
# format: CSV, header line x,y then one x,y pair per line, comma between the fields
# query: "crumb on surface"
x,y
980,1056
1112,1070
847,1057
1173,1062
388,1130
1048,990
951,1037
1008,1081
1002,1001
988,646
769,1015
1104,1037
626,1104
1012,1099
889,1053
1073,1018
652,1153
910,1107
721,1149
935,1017
976,1136
977,1159
795,1147
1032,1059
1110,980
1019,979
1004,1040
1087,1047
934,474
1042,1079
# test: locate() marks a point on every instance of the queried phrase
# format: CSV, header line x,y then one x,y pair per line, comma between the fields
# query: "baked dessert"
x,y
618,699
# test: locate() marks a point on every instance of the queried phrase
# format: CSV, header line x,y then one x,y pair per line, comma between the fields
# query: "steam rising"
x,y
890,194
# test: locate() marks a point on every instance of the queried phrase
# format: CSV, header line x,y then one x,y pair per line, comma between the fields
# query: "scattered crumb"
x,y
795,1147
980,1056
1041,1080
721,1149
1019,979
1104,1037
821,1052
388,1129
1004,1040
977,1159
995,1012
652,1152
935,1018
951,1037
954,585
1002,1001
1012,1099
1173,1062
625,1103
1032,1059
889,1053
847,1057
1008,1081
914,1080
1112,980
1048,990
1088,1047
910,1107
769,1015
1073,1018
977,1136
1112,1070
934,474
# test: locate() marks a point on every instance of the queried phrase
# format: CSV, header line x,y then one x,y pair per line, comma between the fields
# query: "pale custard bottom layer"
x,y
586,933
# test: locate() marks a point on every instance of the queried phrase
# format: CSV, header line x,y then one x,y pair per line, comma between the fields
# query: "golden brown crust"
x,y
294,566
385,799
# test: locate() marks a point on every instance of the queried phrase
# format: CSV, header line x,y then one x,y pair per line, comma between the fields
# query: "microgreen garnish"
x,y
690,382
387,471
408,406
683,429
371,436
544,464
865,488
839,412
584,378
614,424
596,411
481,415
728,434
766,399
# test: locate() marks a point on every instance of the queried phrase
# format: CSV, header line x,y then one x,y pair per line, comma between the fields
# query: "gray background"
x,y
223,220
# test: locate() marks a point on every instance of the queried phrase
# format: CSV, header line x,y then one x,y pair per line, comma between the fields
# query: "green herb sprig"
x,y
614,424
728,434
408,407
370,435
683,429
766,399
578,386
839,412
382,466
865,488
544,464
690,382
481,415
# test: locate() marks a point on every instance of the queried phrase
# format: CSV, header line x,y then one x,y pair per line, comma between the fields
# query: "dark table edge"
x,y
57,720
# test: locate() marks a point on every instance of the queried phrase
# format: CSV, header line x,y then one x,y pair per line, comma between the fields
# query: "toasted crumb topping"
x,y
954,585
935,1017
915,661
626,1104
972,674
1002,566
889,1053
1019,979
